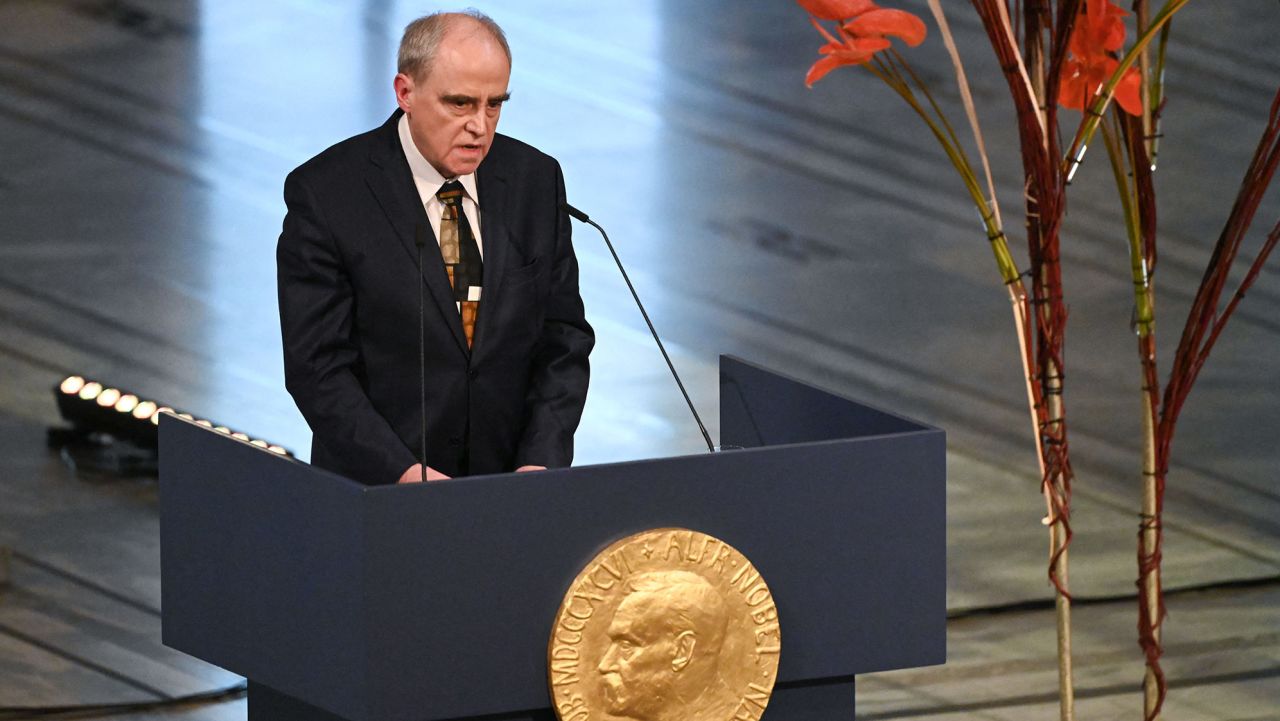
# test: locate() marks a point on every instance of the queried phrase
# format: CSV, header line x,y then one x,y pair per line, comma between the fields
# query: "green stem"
x,y
889,75
1157,91
924,90
1144,311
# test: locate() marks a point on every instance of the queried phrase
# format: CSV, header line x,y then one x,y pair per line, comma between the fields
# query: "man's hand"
x,y
414,474
522,469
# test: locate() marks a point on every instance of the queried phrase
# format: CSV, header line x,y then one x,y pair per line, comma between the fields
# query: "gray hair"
x,y
422,38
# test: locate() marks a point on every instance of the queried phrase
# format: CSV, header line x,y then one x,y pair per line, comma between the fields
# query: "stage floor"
x,y
143,146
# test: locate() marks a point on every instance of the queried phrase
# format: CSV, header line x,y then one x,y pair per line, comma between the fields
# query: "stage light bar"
x,y
127,403
92,407
108,397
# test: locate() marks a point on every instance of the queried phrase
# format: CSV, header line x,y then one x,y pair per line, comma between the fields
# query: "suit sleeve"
x,y
320,359
560,370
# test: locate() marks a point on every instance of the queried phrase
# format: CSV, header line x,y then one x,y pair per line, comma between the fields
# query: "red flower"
x,y
1097,37
836,9
863,32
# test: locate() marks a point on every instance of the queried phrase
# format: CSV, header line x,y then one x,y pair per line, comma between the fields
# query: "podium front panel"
x,y
436,601
849,535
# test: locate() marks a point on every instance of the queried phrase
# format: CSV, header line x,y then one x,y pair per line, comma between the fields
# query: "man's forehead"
x,y
638,612
619,626
457,73
467,37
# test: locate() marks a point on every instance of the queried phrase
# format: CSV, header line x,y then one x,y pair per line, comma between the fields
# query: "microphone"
x,y
420,239
579,215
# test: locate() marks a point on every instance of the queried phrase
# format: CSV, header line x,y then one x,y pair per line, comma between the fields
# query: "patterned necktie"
x,y
461,256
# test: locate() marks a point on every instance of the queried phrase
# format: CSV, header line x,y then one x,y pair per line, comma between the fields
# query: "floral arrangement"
x,y
1073,52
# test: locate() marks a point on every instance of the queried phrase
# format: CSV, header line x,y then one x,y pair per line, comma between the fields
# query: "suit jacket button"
x,y
473,374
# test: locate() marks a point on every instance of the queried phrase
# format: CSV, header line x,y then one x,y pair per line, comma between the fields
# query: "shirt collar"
x,y
425,175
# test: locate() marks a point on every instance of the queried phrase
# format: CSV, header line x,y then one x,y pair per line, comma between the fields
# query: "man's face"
x,y
454,110
637,666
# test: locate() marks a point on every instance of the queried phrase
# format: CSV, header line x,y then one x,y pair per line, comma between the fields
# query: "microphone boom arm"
x,y
578,214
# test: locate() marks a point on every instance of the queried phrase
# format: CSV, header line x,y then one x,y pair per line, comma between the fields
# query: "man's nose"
x,y
607,663
478,122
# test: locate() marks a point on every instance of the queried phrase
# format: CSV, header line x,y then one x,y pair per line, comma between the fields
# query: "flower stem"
x,y
891,76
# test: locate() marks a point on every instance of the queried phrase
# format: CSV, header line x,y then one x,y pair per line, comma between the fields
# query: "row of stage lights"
x,y
89,405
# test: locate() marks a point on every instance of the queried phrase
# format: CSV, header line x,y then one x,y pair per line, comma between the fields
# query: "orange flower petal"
x,y
856,46
836,9
1098,70
1129,92
1092,18
1072,90
854,57
1078,45
831,62
1101,25
1112,38
820,69
884,21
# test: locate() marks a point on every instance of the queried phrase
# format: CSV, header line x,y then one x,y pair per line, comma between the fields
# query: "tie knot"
x,y
450,193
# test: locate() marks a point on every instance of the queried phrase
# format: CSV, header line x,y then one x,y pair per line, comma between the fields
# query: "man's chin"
x,y
466,165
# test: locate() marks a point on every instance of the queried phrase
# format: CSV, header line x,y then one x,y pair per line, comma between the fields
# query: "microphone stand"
x,y
578,214
420,239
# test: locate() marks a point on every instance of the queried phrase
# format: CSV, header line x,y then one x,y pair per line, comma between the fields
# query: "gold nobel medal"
x,y
665,625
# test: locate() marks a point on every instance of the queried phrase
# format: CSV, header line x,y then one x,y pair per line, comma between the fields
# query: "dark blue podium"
x,y
436,601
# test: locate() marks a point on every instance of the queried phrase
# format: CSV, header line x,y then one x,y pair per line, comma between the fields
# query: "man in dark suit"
x,y
506,342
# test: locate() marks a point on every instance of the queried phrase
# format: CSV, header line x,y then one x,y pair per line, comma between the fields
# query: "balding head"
x,y
422,38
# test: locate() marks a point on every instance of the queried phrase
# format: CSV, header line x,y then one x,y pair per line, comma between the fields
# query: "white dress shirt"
x,y
428,181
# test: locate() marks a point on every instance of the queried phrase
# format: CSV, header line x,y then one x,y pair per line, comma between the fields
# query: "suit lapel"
x,y
392,185
492,187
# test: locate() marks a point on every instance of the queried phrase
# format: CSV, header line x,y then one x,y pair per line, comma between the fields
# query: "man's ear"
x,y
405,88
684,645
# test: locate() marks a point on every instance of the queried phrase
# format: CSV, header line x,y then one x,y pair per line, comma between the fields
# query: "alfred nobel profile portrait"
x,y
663,659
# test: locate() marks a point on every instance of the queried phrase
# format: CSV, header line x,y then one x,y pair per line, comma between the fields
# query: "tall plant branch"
x,y
1140,139
1126,143
1044,206
1204,324
1201,331
966,97
1032,81
1018,301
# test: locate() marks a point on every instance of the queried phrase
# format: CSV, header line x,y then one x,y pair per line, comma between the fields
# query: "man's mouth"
x,y
611,690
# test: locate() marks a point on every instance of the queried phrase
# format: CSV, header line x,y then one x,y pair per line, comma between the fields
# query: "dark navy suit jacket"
x,y
348,287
